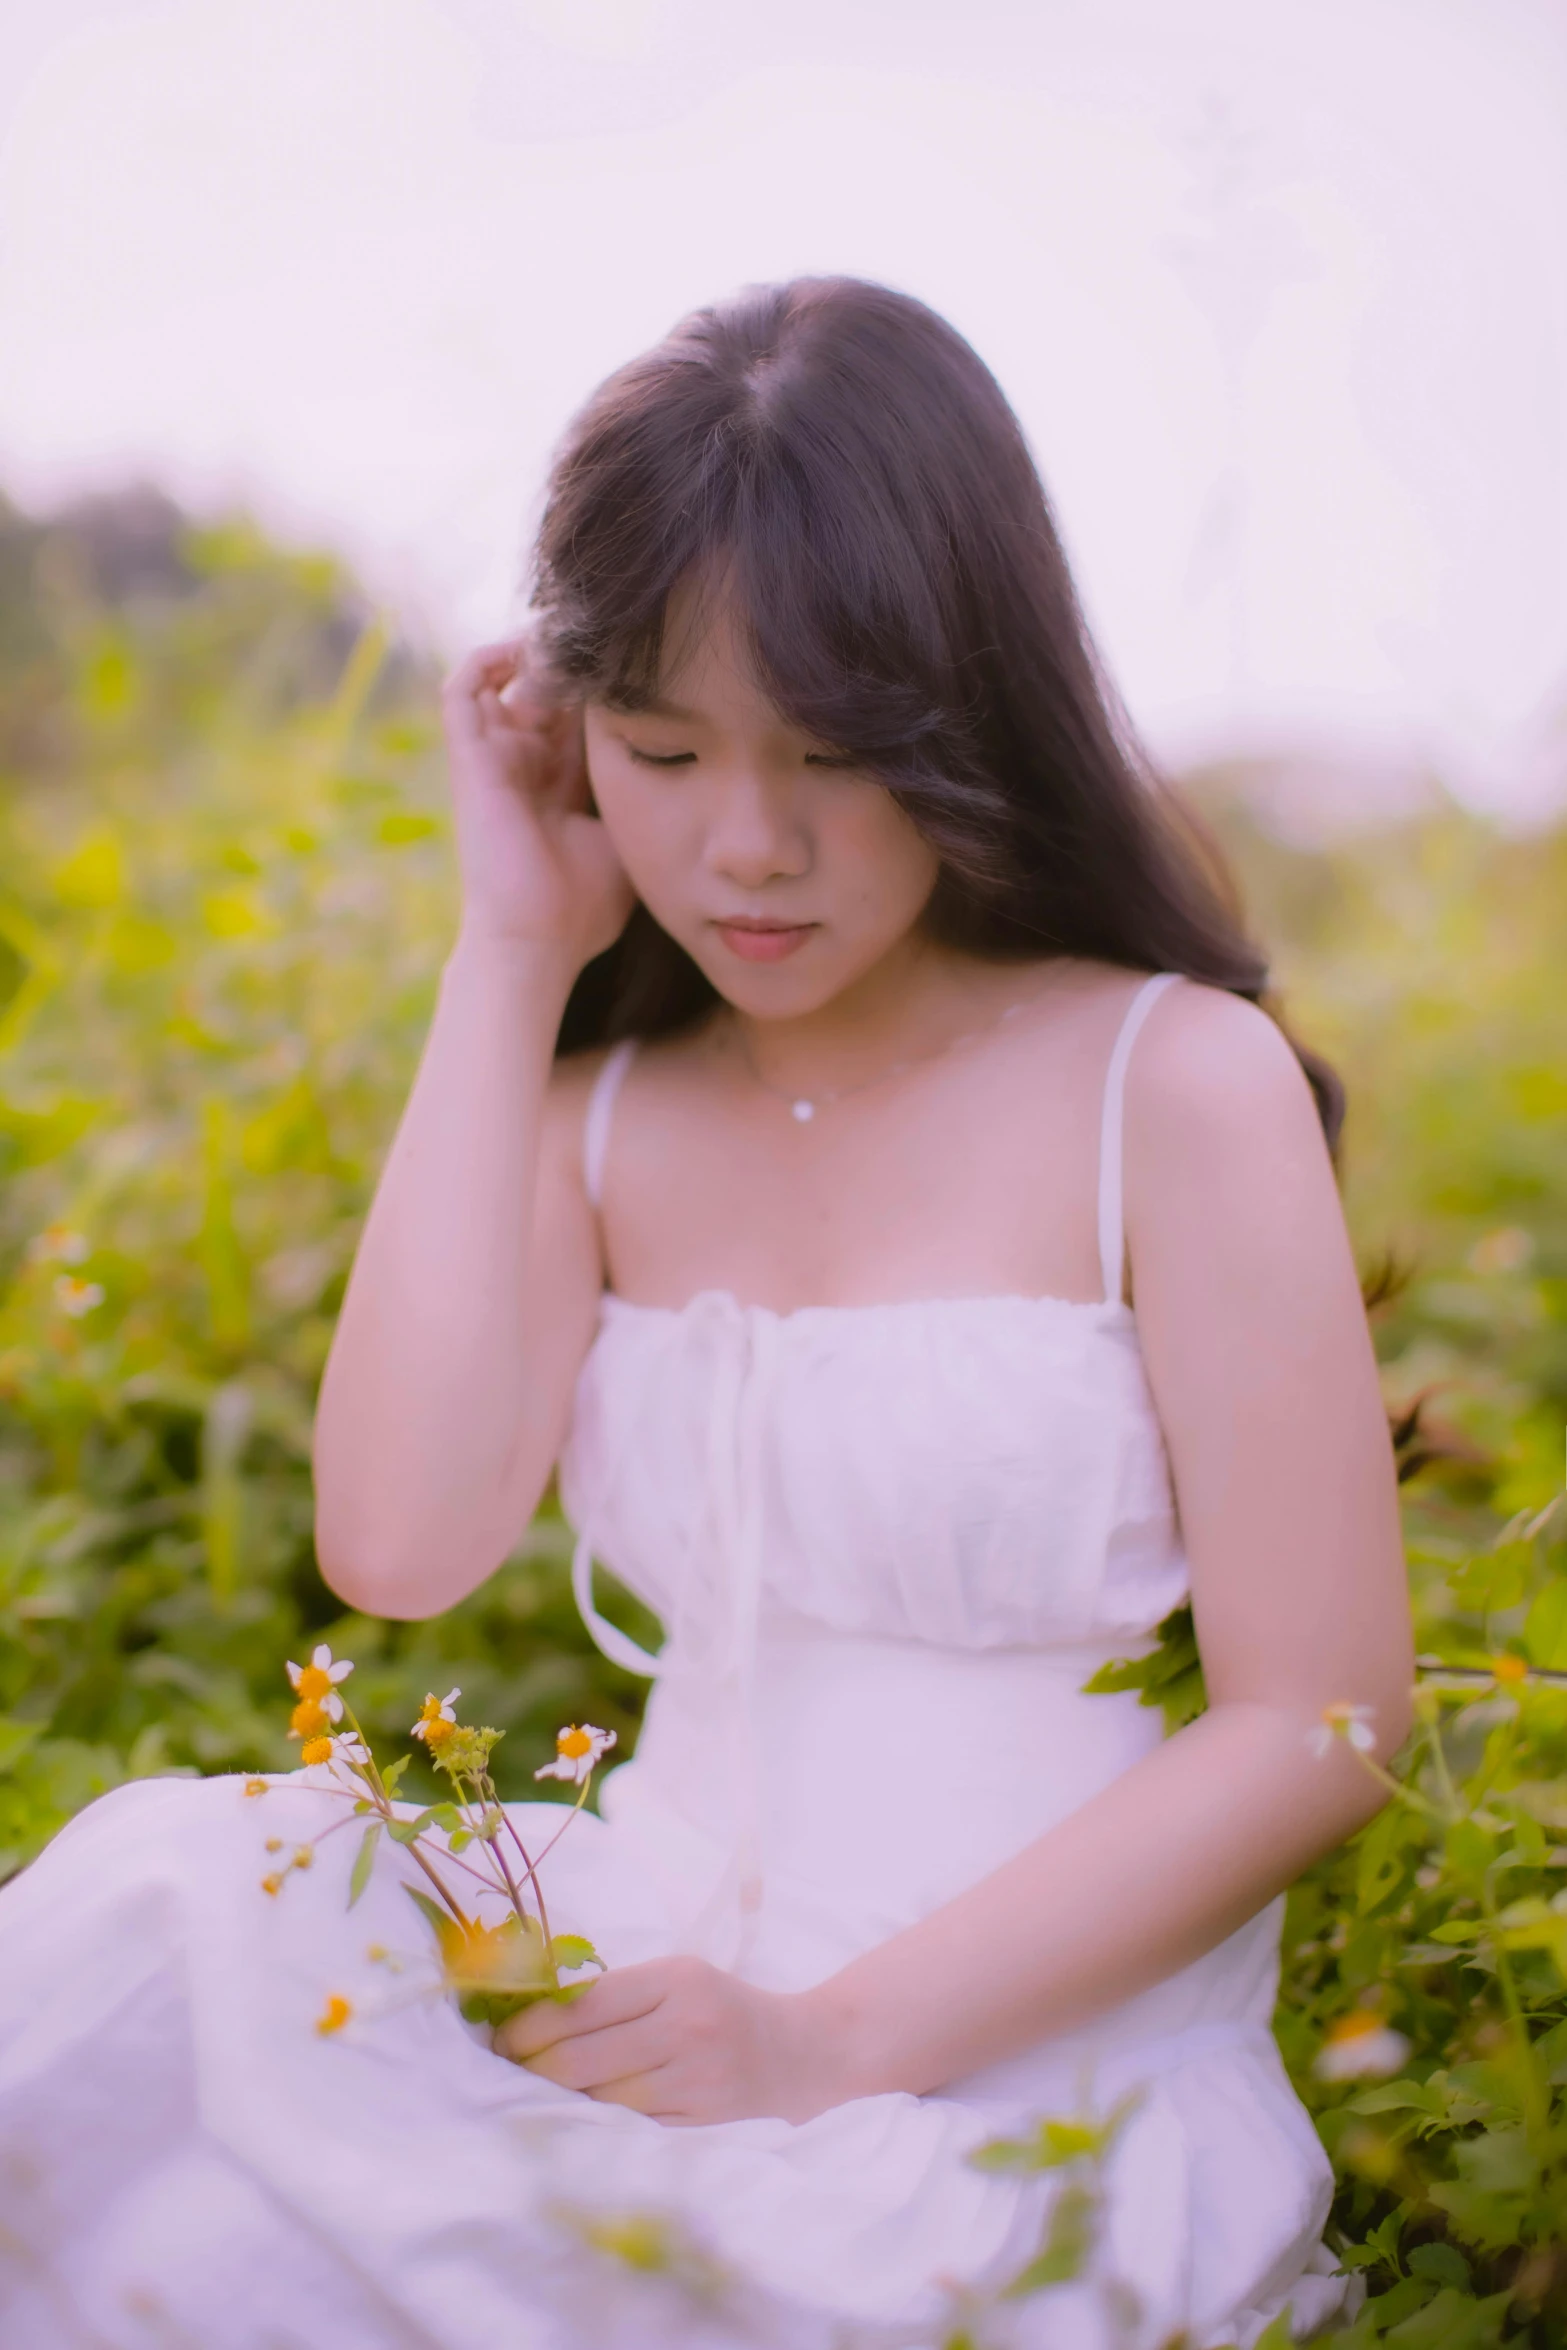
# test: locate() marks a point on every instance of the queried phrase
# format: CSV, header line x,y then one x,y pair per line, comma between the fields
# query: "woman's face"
x,y
784,874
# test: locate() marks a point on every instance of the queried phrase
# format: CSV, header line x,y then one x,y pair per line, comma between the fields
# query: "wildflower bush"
x,y
225,893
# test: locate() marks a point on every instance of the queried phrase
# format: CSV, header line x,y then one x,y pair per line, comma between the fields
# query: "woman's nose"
x,y
755,833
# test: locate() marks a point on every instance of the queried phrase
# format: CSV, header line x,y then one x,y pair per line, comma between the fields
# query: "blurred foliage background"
x,y
225,894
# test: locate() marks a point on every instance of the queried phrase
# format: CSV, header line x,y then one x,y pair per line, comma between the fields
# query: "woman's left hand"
x,y
682,2041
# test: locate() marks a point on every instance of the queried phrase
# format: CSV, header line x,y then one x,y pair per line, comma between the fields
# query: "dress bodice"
x,y
971,1472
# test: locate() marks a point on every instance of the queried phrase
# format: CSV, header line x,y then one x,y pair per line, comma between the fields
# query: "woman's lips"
x,y
763,942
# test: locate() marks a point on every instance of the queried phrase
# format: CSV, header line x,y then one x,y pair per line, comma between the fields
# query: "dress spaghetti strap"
x,y
600,1110
615,1644
1112,1227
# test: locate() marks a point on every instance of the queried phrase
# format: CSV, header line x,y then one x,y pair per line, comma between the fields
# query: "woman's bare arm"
x,y
472,1296
470,1304
1262,1369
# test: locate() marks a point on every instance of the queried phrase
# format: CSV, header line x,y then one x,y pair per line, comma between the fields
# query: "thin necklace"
x,y
804,1106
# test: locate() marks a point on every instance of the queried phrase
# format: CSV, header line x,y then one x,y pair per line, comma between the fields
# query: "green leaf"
x,y
1453,2322
1169,1676
393,1773
1378,1858
1443,2262
1470,1849
364,1860
1399,2097
573,1950
1005,2154
1395,2306
438,1919
1545,1627
1069,2239
404,1831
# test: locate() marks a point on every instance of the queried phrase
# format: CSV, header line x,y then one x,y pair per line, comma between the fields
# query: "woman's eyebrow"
x,y
662,709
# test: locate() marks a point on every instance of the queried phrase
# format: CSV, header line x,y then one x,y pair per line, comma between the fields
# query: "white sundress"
x,y
888,1545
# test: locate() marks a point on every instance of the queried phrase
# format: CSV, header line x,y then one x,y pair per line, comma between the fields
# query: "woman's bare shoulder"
x,y
570,1089
1209,1064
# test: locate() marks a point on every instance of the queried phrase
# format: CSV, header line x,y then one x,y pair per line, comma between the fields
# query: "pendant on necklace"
x,y
803,1110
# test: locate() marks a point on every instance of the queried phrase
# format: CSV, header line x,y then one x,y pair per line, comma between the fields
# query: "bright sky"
x,y
1279,290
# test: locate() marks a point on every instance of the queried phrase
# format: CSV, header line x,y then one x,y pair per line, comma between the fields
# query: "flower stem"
x,y
533,1874
566,1822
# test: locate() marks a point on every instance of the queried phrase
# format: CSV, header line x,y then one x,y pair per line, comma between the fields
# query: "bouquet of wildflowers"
x,y
465,1843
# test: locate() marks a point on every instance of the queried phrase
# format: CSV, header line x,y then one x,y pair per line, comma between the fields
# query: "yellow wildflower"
x,y
304,1854
316,1684
436,1719
272,1884
309,1719
315,1750
577,1748
274,1844
255,1786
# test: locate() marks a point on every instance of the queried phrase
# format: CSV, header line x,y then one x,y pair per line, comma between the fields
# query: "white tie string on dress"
x,y
1112,1222
745,1354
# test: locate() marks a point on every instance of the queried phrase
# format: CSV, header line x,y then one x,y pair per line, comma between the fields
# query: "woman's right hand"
x,y
538,868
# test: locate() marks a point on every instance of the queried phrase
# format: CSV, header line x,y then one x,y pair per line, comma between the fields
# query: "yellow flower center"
x,y
1356,2025
574,1744
308,1719
333,2016
255,1786
316,1750
313,1682
271,1884
1509,1668
439,1731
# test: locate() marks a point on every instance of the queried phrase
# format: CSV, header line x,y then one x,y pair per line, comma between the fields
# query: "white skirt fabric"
x,y
185,2161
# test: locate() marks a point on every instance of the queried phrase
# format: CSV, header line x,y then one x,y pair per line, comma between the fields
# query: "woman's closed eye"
x,y
660,758
844,761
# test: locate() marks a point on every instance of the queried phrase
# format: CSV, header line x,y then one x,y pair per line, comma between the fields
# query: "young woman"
x,y
937,1279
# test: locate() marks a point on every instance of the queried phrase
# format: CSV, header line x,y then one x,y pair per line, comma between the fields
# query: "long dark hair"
x,y
853,469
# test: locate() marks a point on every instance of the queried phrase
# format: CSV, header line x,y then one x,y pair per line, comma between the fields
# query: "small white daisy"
x,y
77,1298
1360,2046
57,1244
1352,1723
577,1748
436,1718
315,1683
